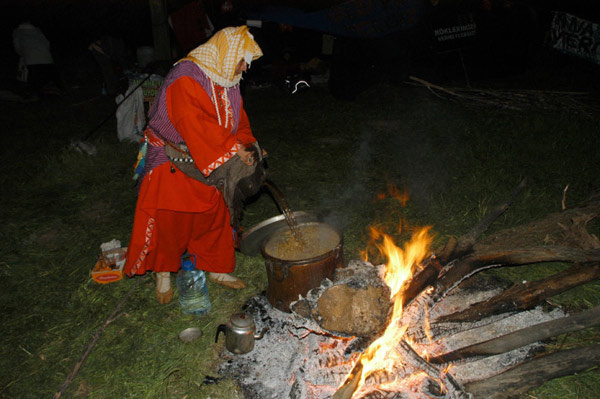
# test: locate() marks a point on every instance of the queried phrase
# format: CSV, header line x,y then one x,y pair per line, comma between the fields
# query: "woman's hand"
x,y
246,156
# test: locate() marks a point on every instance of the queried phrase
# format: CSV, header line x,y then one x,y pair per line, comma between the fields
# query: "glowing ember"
x,y
382,355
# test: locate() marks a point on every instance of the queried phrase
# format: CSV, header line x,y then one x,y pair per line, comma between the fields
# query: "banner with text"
x,y
576,36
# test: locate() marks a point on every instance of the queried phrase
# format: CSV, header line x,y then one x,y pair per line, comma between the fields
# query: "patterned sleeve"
x,y
193,114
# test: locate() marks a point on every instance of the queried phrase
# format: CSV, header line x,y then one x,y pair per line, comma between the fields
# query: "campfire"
x,y
425,324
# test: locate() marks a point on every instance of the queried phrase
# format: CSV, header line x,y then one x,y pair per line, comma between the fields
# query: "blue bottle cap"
x,y
188,265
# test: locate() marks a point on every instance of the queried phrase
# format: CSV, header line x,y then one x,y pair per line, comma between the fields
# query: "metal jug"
x,y
239,333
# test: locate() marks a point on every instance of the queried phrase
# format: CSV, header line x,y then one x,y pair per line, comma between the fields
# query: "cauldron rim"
x,y
314,259
253,238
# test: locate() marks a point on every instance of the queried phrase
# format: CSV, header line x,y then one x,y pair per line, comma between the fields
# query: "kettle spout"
x,y
262,333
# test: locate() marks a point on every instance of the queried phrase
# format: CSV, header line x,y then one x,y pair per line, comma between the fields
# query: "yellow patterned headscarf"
x,y
219,56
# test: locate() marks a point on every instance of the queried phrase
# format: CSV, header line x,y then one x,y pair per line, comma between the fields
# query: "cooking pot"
x,y
239,333
289,278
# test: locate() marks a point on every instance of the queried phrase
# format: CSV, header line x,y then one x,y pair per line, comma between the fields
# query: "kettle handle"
x,y
220,329
262,333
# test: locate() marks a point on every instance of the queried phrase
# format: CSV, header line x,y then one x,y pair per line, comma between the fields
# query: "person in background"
x,y
199,104
33,48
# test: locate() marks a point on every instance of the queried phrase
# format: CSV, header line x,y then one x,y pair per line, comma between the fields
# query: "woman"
x,y
200,104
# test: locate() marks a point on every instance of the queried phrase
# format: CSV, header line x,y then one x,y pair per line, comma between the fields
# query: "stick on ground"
x,y
113,316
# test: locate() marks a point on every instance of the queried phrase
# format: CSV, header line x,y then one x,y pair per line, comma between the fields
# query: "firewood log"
x,y
465,242
524,336
526,296
475,263
529,375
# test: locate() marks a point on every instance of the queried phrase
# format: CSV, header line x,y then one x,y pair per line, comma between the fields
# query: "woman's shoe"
x,y
164,291
226,280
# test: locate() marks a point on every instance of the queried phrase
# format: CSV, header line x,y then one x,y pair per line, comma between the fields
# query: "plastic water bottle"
x,y
191,284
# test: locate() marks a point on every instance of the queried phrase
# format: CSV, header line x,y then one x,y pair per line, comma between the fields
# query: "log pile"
x,y
467,335
442,290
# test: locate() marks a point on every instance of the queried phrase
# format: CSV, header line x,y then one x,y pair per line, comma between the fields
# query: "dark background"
x,y
510,36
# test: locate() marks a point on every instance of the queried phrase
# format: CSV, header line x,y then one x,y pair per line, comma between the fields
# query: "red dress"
x,y
175,213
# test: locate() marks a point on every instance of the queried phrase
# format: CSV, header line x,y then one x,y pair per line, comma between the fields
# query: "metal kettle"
x,y
239,333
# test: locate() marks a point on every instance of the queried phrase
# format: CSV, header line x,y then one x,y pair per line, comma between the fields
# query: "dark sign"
x,y
572,35
453,33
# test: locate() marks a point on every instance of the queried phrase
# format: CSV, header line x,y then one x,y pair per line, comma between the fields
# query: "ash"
x,y
297,359
292,351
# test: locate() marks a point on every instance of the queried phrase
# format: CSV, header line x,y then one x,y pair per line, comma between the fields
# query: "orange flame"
x,y
401,197
400,266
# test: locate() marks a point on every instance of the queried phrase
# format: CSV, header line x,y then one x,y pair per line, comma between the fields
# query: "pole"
x,y
160,29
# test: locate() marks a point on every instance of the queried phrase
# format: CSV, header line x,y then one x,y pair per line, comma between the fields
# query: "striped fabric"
x,y
159,118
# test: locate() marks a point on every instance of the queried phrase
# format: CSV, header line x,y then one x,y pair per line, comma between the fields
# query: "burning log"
x,y
475,263
348,388
444,334
527,295
455,248
426,277
525,336
465,243
532,374
455,265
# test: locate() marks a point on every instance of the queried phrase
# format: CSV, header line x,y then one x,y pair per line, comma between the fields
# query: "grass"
x,y
326,155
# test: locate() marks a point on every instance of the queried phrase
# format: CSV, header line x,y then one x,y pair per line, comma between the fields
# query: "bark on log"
x,y
475,263
465,242
529,375
455,248
526,296
566,228
525,336
422,280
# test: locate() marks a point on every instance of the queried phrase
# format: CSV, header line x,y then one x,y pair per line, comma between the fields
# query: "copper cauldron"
x,y
290,277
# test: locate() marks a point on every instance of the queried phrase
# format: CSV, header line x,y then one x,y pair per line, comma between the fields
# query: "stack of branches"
x,y
558,237
518,100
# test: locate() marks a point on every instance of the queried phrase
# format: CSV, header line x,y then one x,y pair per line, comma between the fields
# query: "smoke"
x,y
416,160
356,189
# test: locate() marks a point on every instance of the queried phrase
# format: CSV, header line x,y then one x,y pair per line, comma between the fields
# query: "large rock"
x,y
356,303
